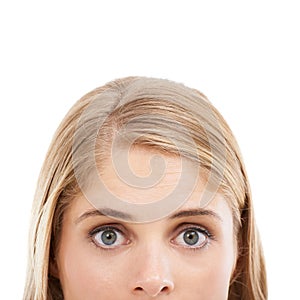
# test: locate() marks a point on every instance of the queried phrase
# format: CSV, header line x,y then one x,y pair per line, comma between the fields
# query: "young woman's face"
x,y
189,254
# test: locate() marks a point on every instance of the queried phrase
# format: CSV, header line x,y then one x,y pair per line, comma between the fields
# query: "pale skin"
x,y
189,254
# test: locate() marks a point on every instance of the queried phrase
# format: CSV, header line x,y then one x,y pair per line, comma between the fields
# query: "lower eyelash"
x,y
205,247
98,247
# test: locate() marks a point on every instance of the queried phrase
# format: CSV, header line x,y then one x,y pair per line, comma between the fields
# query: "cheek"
x,y
84,274
208,274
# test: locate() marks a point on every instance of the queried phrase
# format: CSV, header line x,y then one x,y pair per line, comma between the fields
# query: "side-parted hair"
x,y
163,115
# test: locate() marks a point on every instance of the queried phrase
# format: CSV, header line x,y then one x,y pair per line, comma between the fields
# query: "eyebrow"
x,y
196,212
127,217
107,212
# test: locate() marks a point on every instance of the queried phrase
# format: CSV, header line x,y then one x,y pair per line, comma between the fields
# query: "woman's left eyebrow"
x,y
196,212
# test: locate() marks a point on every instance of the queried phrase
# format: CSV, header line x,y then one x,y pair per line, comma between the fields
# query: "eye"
x,y
192,238
108,237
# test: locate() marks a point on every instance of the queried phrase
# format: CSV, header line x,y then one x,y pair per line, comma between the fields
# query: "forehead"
x,y
141,176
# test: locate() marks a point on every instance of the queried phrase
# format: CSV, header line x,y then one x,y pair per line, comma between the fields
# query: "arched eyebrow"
x,y
196,212
107,212
127,217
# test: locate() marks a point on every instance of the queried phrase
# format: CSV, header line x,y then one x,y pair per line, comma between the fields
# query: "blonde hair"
x,y
163,115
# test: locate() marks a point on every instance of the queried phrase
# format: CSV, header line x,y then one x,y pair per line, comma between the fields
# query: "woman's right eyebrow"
x,y
108,212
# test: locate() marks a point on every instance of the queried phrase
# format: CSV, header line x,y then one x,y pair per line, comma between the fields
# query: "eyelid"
x,y
185,226
105,227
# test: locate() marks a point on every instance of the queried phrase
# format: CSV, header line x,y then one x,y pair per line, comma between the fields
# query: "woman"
x,y
144,194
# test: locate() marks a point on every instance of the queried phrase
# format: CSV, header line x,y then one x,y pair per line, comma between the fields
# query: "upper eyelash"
x,y
199,229
103,228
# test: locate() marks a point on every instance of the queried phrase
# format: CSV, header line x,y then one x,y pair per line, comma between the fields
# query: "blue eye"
x,y
108,237
193,238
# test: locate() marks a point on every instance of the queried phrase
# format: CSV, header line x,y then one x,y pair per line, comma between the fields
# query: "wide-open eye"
x,y
192,237
108,237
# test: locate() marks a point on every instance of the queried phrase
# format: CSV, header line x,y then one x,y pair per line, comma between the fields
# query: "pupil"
x,y
191,237
108,237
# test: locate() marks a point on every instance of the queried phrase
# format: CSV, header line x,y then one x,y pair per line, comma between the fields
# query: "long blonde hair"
x,y
164,115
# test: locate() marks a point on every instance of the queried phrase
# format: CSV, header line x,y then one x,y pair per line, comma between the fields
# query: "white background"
x,y
243,55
